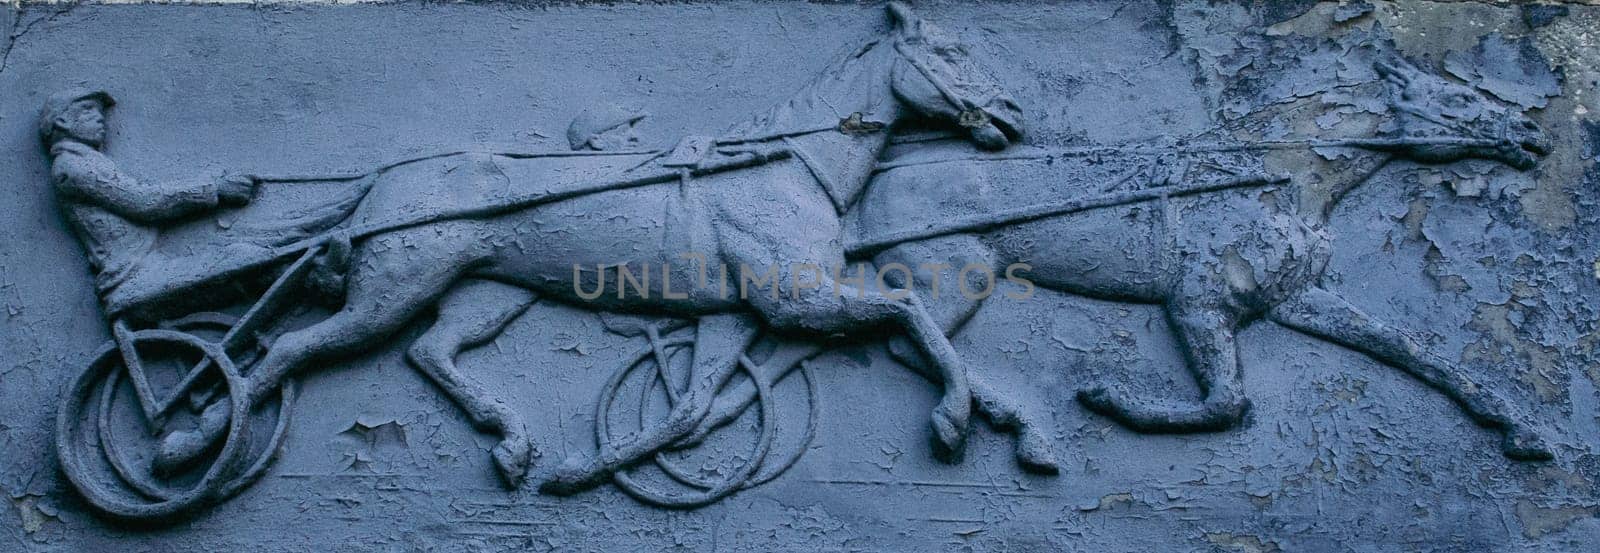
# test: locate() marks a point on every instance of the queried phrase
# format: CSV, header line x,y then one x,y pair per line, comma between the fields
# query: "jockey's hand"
x,y
235,189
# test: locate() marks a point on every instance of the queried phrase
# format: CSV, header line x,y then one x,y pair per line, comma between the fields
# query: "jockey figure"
x,y
116,217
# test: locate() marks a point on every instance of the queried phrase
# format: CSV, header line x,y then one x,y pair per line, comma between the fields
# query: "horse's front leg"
x,y
1206,335
951,418
936,265
819,304
1323,314
794,234
470,314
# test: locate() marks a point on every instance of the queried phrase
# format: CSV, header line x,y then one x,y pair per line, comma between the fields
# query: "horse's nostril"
x,y
1536,146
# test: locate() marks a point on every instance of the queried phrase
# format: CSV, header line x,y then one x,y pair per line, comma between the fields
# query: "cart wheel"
x,y
101,422
697,491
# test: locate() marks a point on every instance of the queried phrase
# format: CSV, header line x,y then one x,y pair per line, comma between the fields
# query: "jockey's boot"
x,y
180,449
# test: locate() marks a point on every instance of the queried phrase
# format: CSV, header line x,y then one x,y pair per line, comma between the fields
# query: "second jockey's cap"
x,y
596,121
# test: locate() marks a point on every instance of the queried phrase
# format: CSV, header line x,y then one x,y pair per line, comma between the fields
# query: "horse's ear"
x,y
902,17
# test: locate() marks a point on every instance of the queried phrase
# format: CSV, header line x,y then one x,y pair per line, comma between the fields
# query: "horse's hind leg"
x,y
470,314
720,340
1206,335
1323,314
386,289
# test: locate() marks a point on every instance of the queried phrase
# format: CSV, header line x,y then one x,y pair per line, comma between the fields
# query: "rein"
x,y
1367,143
868,246
975,223
852,125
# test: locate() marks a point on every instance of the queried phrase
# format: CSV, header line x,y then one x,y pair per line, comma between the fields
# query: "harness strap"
x,y
826,182
866,246
944,89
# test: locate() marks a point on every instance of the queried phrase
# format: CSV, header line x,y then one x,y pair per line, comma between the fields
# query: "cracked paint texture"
x,y
1496,270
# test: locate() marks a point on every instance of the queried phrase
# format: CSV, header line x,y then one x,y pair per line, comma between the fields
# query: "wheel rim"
x,y
143,499
706,490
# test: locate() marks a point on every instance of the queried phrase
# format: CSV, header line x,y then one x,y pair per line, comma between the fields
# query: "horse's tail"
x,y
299,224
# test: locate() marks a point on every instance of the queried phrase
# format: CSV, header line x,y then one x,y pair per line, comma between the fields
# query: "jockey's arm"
x,y
149,203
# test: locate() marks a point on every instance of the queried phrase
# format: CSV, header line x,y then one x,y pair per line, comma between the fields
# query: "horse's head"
x,y
1437,112
935,77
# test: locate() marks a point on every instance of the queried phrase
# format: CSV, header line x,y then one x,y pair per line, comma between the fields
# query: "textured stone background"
x,y
1497,268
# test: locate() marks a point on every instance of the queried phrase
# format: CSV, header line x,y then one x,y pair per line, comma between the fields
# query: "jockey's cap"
x,y
596,120
58,103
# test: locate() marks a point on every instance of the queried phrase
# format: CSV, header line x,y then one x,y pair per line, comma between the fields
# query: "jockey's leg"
x,y
472,313
720,340
391,283
158,275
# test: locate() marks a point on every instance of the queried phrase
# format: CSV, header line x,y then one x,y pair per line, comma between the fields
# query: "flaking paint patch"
x,y
1241,543
1537,365
34,512
1433,29
605,513
1538,520
1324,19
1110,501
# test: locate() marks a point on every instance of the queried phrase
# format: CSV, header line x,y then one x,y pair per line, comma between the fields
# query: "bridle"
x,y
970,116
855,124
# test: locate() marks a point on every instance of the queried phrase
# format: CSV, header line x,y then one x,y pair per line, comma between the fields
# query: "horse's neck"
x,y
1333,179
841,162
1326,175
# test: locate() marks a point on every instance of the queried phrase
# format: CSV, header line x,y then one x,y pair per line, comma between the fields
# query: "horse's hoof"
x,y
1216,415
950,432
1525,445
1036,453
512,456
576,474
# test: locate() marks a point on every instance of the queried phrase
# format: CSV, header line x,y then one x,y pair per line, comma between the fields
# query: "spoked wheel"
x,y
654,363
109,426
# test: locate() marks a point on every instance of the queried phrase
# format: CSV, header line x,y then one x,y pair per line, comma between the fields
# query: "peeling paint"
x,y
1241,543
1538,520
1497,270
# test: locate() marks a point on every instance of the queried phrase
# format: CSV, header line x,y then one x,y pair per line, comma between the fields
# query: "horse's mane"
x,y
839,78
1304,77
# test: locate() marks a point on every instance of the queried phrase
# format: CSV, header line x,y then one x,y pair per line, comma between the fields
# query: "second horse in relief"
x,y
1218,262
